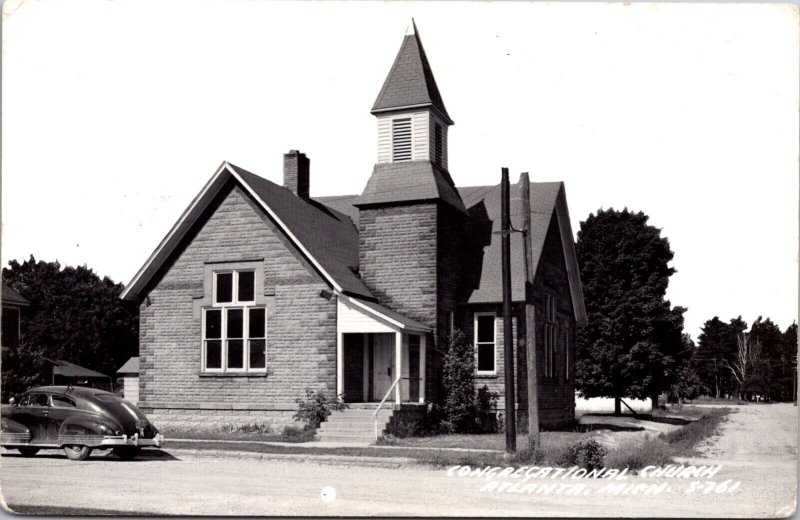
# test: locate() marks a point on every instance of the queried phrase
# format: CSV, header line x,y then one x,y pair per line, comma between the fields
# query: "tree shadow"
x,y
607,426
677,421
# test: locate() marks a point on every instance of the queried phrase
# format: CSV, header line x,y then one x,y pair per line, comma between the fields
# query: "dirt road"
x,y
758,447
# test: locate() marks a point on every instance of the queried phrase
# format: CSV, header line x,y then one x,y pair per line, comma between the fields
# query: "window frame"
x,y
550,337
29,398
62,398
224,308
476,344
234,287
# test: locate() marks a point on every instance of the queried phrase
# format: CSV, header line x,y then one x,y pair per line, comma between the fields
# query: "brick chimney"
x,y
296,173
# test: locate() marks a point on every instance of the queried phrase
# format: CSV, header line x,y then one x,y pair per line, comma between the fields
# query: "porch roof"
x,y
394,319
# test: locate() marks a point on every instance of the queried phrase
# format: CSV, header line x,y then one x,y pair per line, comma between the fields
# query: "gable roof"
x,y
547,202
409,181
131,367
393,317
323,230
330,237
410,82
326,238
12,297
67,369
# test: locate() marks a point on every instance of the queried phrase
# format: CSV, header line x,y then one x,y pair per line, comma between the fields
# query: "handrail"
x,y
378,409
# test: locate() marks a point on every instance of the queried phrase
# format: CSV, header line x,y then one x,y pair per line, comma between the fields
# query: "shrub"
x,y
486,404
292,431
316,407
459,407
587,454
403,426
637,453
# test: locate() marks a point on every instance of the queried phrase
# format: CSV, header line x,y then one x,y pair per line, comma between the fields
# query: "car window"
x,y
38,400
24,400
63,402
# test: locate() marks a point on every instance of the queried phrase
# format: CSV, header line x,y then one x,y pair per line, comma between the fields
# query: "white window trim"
x,y
234,288
475,343
224,307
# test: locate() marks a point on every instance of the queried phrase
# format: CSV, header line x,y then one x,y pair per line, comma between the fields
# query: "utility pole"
x,y
508,332
530,318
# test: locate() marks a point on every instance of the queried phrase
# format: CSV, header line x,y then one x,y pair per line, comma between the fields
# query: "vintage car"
x,y
78,420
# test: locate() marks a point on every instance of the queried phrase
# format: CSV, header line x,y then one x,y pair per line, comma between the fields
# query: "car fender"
x,y
86,430
12,432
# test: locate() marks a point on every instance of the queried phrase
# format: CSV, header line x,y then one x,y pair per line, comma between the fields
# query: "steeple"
x,y
410,83
412,134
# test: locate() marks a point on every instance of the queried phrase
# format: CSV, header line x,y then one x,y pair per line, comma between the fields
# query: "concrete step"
x,y
354,424
367,438
358,416
349,428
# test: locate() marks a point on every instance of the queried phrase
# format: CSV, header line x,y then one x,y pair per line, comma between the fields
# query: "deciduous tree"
x,y
73,315
632,344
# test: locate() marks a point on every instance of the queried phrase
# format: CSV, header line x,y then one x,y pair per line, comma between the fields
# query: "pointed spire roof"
x,y
410,82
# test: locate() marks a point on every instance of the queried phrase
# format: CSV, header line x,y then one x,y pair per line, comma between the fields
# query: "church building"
x,y
260,291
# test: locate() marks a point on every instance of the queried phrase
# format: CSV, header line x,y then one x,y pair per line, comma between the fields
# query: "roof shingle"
x,y
330,236
409,181
410,81
12,297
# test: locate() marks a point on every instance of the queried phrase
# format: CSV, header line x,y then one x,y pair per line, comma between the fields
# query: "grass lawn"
x,y
685,441
485,441
554,450
241,434
421,455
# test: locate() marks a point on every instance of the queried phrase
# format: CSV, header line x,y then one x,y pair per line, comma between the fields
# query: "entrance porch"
x,y
381,355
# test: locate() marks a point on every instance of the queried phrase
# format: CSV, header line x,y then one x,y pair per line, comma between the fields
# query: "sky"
x,y
115,114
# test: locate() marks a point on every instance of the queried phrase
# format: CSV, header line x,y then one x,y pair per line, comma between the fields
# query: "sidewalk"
x,y
322,444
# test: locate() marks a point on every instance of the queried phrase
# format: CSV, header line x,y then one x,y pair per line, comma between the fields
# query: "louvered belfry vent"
x,y
438,144
401,140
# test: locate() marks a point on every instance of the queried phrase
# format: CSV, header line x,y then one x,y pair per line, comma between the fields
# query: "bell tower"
x,y
411,216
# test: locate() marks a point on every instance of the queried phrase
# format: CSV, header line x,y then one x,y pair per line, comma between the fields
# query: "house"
x,y
260,291
12,305
129,373
60,372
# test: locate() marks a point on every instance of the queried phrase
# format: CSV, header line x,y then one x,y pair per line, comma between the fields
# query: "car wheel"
x,y
127,452
76,452
28,452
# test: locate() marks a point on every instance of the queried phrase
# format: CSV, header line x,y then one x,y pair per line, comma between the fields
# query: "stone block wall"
x,y
301,325
410,257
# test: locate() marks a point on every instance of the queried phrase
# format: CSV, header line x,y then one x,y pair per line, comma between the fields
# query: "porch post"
x,y
340,364
398,364
422,339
